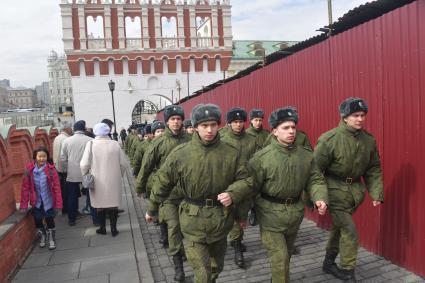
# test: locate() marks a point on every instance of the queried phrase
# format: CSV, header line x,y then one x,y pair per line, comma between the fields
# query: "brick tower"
x,y
155,51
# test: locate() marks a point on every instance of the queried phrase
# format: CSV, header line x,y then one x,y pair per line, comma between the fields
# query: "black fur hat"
x,y
282,115
352,105
256,113
148,129
173,110
236,114
157,125
187,124
205,112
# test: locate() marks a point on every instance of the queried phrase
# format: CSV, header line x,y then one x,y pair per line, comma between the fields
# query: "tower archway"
x,y
144,110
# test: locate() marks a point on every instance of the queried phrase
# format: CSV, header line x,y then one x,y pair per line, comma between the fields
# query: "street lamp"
x,y
112,88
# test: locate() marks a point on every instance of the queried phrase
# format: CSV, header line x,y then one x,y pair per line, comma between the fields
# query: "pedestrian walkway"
x,y
83,256
136,256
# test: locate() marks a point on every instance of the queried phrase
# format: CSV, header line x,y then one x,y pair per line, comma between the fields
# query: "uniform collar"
x,y
256,130
235,135
285,148
169,133
347,130
197,139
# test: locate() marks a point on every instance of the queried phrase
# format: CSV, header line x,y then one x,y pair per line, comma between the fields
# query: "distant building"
x,y
248,52
156,52
4,96
5,83
43,95
22,97
60,86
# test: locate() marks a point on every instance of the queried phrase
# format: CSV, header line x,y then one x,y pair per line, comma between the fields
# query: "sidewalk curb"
x,y
135,212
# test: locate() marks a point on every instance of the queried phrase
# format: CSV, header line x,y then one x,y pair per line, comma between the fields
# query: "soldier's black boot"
x,y
178,267
163,237
252,217
346,275
329,265
239,260
102,222
113,217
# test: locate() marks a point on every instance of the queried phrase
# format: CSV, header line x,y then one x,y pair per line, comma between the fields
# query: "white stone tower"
x,y
153,50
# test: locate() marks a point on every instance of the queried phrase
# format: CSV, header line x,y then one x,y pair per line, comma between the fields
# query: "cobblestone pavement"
x,y
305,266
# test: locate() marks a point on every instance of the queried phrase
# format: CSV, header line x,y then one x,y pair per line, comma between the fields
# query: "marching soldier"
x,y
212,178
301,137
236,135
282,171
136,142
129,139
188,127
347,154
153,159
256,129
141,148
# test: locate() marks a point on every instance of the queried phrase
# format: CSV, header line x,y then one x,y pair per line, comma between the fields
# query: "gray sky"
x,y
30,29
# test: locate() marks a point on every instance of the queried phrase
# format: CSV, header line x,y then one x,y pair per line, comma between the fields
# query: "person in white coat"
x,y
107,163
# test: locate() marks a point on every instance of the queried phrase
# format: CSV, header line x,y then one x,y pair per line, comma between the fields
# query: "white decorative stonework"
x,y
144,61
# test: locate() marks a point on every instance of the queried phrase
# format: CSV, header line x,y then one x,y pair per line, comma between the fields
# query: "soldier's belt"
x,y
287,201
347,180
203,202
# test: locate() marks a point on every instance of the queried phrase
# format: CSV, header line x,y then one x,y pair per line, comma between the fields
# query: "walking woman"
x,y
107,163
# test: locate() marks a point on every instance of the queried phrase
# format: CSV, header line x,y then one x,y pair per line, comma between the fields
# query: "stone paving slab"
x,y
305,267
83,256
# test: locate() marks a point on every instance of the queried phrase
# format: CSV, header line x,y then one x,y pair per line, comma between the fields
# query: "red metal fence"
x,y
382,61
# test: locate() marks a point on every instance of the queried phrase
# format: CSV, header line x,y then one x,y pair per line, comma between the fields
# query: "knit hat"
x,y
80,126
205,112
236,114
173,110
256,113
157,125
352,105
282,115
101,129
187,124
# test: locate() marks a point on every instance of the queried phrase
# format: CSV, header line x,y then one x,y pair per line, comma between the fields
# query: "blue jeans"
x,y
39,214
73,193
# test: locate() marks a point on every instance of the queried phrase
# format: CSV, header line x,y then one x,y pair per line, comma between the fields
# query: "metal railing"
x,y
203,41
96,43
133,43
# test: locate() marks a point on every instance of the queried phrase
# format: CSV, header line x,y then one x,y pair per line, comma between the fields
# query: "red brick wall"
x,y
15,247
15,152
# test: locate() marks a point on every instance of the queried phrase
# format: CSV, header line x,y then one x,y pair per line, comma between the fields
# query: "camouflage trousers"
x,y
207,260
236,233
343,238
169,213
280,247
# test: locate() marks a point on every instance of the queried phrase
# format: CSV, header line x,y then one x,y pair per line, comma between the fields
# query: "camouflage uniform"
x,y
345,156
204,170
260,134
153,159
281,174
138,156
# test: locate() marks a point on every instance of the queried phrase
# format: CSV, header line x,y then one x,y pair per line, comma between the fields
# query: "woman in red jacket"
x,y
41,187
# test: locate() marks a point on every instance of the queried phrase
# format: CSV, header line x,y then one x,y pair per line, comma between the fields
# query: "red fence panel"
x,y
383,61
